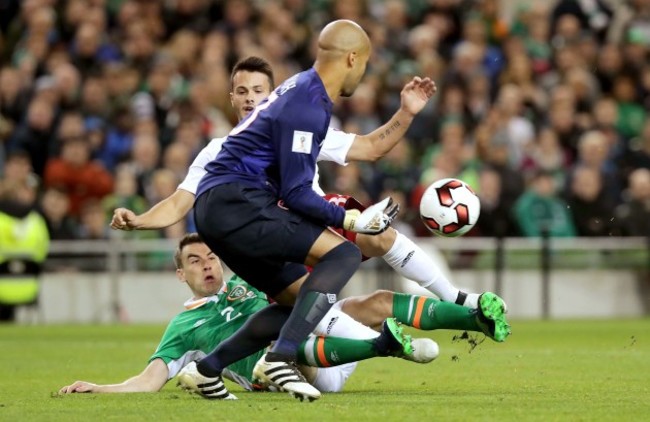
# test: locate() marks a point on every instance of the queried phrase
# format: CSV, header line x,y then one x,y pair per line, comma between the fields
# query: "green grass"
x,y
565,371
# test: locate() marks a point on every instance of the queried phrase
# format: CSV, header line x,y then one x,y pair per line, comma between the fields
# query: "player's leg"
x,y
329,380
407,258
328,351
339,324
410,261
258,233
427,313
333,262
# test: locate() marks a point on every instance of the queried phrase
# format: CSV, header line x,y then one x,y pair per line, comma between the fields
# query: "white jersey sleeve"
x,y
197,169
336,146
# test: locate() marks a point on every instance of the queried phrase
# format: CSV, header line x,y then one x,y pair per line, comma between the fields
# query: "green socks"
x,y
426,313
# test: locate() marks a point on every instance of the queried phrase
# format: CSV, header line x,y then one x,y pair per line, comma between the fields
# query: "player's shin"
x,y
426,313
410,261
317,295
323,352
260,329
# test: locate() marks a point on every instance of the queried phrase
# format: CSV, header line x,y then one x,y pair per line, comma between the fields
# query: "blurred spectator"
x,y
118,142
177,158
147,84
628,14
145,156
13,96
93,222
25,243
362,109
591,15
496,218
608,65
592,209
71,125
631,114
518,130
637,155
163,184
55,208
125,194
17,173
546,154
33,134
540,209
394,172
633,215
594,151
81,178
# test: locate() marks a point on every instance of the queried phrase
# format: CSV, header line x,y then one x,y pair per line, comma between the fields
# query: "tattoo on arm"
x,y
390,129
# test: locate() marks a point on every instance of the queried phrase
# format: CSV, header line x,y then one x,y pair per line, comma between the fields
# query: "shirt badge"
x,y
302,142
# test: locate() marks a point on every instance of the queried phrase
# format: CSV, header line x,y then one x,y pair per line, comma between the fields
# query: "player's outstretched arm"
x,y
371,147
150,380
165,213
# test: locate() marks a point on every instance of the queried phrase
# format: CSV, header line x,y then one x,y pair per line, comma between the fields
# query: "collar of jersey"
x,y
194,303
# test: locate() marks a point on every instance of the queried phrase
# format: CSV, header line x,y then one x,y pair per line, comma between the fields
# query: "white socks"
x,y
410,261
336,323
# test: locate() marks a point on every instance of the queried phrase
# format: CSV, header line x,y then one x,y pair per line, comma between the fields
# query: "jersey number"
x,y
253,114
228,313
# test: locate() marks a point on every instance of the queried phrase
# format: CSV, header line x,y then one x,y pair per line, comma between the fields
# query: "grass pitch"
x,y
562,370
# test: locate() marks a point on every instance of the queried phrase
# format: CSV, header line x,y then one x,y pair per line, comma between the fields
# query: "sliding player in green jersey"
x,y
218,309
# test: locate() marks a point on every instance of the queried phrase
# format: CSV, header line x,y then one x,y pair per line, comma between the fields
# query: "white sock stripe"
x,y
309,350
411,306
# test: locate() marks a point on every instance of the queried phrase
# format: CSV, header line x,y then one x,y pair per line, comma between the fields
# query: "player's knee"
x,y
381,303
377,245
346,253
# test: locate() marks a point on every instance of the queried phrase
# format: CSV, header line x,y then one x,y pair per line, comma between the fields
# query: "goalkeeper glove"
x,y
374,219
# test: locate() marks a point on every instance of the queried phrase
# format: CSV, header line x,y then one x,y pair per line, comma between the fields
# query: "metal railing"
x,y
496,254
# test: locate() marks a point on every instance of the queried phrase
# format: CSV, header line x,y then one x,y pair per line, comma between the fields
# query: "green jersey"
x,y
207,322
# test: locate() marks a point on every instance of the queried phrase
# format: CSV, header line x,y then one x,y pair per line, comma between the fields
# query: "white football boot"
x,y
189,379
424,350
285,376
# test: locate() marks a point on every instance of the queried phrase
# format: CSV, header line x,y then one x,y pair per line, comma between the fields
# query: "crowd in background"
x,y
542,110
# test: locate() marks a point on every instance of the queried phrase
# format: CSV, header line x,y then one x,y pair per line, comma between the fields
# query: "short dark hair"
x,y
253,64
188,239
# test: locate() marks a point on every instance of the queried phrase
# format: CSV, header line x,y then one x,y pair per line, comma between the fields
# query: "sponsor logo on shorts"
x,y
331,298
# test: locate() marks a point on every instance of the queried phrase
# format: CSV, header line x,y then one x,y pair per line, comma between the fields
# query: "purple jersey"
x,y
275,148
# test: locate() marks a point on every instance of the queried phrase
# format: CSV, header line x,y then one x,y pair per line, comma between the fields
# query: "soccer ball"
x,y
449,207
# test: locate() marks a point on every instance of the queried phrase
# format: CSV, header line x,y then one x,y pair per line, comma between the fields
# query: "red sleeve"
x,y
56,174
102,181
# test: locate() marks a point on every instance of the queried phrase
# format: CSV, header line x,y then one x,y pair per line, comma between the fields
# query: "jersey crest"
x,y
237,293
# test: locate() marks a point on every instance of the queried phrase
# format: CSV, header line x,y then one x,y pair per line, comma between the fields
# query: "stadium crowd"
x,y
543,110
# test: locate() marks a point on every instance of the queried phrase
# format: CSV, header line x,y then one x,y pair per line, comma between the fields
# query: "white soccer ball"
x,y
449,207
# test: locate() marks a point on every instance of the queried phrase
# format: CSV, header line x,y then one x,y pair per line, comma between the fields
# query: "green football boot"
x,y
491,317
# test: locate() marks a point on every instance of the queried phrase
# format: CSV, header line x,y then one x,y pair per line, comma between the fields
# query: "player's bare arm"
x,y
165,213
150,380
373,146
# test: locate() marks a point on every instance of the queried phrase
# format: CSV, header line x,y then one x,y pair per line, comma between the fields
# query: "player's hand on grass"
x,y
124,219
374,219
416,94
78,387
